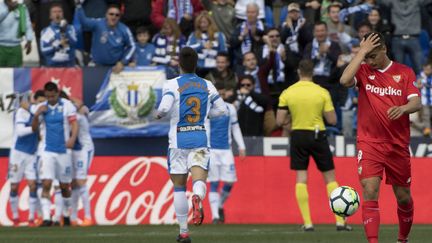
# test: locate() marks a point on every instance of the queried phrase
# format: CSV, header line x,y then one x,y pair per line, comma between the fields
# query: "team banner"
x,y
18,83
137,190
125,104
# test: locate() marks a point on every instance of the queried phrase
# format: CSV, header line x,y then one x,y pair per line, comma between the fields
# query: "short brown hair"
x,y
306,67
188,59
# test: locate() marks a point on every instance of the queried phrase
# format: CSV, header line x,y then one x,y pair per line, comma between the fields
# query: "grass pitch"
x,y
205,233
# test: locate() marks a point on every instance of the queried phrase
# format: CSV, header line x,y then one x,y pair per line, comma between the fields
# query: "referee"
x,y
303,106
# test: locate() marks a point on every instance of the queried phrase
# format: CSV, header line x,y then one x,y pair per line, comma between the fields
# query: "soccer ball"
x,y
344,201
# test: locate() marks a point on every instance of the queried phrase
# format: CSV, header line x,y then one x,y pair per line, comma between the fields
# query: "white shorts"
x,y
81,161
21,164
181,160
56,166
222,166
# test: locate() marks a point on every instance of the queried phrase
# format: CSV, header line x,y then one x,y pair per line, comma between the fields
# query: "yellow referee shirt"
x,y
306,102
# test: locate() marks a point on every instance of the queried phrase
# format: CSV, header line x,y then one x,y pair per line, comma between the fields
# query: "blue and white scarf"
x,y
278,69
164,49
291,41
178,8
209,55
426,91
246,45
323,66
364,8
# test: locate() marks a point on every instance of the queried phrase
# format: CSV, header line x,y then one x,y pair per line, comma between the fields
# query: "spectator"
x,y
223,74
312,11
247,36
276,76
296,33
112,42
168,43
14,24
324,53
259,73
337,30
182,11
405,16
58,41
207,42
425,84
144,50
222,12
136,13
40,17
241,8
378,25
251,107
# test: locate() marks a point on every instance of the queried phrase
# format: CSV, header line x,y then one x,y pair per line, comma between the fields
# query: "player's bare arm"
x,y
35,123
413,105
366,46
74,133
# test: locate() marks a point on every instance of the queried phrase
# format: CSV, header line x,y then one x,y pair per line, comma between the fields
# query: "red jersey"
x,y
378,91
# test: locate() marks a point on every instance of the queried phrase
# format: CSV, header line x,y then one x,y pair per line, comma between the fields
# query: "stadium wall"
x,y
136,190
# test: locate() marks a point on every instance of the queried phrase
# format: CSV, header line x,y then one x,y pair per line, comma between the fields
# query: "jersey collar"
x,y
386,68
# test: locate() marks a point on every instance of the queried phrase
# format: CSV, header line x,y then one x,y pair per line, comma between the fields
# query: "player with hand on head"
x,y
58,116
222,166
22,159
188,100
387,95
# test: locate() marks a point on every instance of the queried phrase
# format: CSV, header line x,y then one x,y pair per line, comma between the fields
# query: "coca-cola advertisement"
x,y
137,190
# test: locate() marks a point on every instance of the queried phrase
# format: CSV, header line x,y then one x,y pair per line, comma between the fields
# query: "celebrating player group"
x,y
52,144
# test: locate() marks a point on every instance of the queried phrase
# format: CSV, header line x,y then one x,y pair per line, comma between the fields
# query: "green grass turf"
x,y
205,233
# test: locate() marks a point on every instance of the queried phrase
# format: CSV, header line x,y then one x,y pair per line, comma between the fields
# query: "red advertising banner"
x,y
137,190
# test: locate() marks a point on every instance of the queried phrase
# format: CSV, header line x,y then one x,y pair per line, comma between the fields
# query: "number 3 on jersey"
x,y
195,104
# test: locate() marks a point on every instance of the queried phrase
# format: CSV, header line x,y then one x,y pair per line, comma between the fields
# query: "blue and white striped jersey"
x,y
25,140
222,127
189,99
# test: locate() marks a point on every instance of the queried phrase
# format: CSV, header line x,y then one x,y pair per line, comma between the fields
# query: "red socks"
x,y
405,214
371,220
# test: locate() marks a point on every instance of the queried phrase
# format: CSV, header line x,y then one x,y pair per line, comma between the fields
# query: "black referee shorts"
x,y
303,144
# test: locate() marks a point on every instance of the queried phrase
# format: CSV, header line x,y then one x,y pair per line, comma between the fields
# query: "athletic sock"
x,y
226,191
13,200
33,201
330,187
46,207
84,194
302,197
405,214
371,220
199,188
67,206
181,208
74,204
58,202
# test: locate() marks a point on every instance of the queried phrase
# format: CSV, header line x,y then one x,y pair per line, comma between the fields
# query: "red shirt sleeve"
x,y
157,15
411,87
360,75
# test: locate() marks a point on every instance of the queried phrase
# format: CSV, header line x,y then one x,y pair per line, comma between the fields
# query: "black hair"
x,y
188,59
142,30
63,95
381,38
50,86
319,22
248,77
38,93
55,5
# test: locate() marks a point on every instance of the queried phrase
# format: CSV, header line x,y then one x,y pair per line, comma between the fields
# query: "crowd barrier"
x,y
136,190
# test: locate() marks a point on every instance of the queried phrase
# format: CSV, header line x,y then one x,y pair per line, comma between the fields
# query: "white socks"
x,y
84,193
58,201
13,200
199,188
66,206
46,205
214,204
181,208
33,202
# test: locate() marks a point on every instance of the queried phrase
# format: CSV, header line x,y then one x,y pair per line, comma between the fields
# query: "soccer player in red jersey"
x,y
387,95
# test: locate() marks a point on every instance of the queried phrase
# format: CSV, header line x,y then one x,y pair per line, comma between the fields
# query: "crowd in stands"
x,y
251,48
